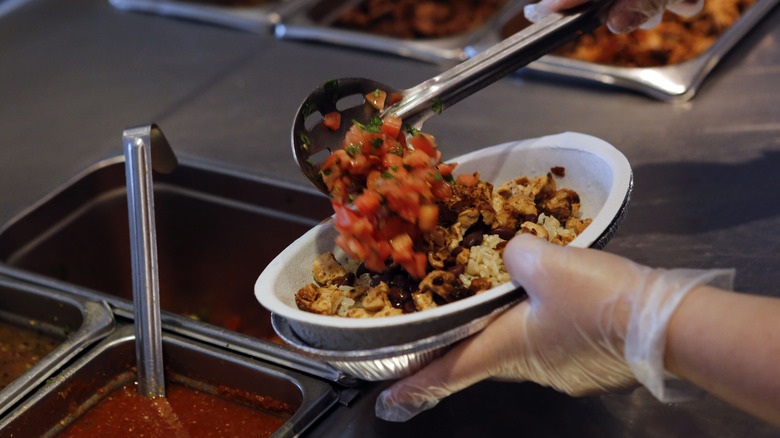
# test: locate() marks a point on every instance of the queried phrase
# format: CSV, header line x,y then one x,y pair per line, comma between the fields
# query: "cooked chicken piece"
x,y
534,229
327,270
445,284
321,300
440,242
376,298
516,201
577,225
560,204
468,204
479,284
424,300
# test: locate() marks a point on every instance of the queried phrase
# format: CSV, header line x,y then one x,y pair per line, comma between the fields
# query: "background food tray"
x,y
77,322
674,83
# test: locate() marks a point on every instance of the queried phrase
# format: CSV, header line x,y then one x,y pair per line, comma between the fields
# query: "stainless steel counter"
x,y
75,73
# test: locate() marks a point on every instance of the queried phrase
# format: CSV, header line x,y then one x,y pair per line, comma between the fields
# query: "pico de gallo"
x,y
384,183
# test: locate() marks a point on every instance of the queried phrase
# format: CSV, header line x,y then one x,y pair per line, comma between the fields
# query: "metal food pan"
x,y
109,365
674,83
259,18
314,21
77,322
216,229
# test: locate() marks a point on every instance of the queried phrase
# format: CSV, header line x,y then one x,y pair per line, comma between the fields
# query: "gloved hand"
x,y
624,16
593,322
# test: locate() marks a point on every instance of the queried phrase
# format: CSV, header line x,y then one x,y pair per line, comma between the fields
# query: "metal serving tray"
x,y
77,322
674,83
47,411
257,19
215,230
314,21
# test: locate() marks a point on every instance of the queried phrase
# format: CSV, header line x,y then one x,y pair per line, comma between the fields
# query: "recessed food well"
x,y
215,231
40,330
278,403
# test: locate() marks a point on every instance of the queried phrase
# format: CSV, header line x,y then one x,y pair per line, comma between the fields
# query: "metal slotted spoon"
x,y
312,141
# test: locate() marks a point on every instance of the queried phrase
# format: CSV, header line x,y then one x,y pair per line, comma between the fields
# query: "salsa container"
x,y
77,322
46,412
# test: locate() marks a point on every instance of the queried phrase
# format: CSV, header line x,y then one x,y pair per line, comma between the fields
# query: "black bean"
x,y
409,307
361,269
347,280
397,297
472,239
456,269
505,233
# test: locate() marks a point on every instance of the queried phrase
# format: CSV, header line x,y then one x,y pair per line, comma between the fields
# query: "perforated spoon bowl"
x,y
312,141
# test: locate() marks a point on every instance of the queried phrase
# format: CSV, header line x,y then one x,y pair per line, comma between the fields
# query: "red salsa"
x,y
184,412
20,349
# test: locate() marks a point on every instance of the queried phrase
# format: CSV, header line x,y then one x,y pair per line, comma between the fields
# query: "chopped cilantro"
x,y
450,179
351,151
377,143
373,124
411,130
308,109
332,87
377,92
436,105
304,138
387,175
399,152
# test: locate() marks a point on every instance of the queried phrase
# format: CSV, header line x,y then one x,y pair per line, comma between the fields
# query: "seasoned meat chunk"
x,y
327,270
534,229
561,204
516,201
321,300
479,284
469,203
444,284
577,225
424,300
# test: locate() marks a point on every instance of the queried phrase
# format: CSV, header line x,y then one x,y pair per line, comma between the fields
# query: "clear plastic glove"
x,y
624,16
593,322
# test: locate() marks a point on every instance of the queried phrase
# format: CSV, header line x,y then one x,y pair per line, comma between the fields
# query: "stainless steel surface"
x,y
393,362
215,231
109,365
706,186
432,96
674,83
259,18
145,149
76,322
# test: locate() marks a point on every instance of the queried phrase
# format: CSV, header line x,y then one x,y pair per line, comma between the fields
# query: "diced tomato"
x,y
368,202
417,158
441,189
391,126
394,98
428,217
467,179
446,168
377,99
393,182
423,142
332,120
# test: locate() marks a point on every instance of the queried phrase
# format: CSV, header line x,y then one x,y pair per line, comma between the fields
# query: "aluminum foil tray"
x,y
260,18
77,322
388,363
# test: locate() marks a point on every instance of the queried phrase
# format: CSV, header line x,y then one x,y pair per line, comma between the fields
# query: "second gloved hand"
x,y
623,16
593,322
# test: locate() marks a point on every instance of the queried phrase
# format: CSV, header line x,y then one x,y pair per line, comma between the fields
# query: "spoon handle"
x,y
145,147
429,97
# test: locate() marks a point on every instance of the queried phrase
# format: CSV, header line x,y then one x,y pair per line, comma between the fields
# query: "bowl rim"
x,y
618,191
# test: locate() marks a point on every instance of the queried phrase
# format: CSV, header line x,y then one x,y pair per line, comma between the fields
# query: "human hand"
x,y
593,322
623,16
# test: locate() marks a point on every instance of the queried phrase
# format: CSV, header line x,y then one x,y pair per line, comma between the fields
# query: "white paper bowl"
x,y
598,172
